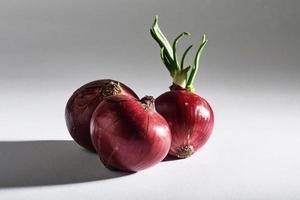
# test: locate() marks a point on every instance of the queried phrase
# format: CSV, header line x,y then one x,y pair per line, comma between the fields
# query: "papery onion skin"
x,y
83,102
128,134
190,119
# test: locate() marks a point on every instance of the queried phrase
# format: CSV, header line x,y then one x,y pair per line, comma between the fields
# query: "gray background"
x,y
249,73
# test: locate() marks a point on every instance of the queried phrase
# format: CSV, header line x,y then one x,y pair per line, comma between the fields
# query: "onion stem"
x,y
195,67
183,56
174,47
181,76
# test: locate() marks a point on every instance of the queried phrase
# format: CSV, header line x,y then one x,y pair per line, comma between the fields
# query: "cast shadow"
x,y
49,162
170,158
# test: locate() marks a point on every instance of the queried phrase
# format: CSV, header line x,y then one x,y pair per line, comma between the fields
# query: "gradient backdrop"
x,y
249,73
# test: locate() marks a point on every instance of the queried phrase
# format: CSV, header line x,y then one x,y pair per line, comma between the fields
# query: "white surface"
x,y
253,154
249,73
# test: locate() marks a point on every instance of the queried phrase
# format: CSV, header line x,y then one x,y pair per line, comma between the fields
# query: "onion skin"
x,y
190,119
83,102
128,134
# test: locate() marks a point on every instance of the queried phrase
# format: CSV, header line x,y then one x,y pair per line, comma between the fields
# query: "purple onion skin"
x,y
190,119
129,135
82,104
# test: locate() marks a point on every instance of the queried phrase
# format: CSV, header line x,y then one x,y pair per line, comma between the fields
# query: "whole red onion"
x,y
189,116
82,104
190,119
129,134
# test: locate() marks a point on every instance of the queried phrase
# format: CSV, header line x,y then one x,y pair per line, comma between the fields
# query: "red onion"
x,y
82,104
190,119
129,134
189,116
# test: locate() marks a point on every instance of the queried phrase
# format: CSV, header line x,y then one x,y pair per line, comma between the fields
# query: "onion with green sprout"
x,y
189,116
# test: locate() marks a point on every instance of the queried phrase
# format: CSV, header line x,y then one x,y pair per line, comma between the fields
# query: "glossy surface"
x,y
129,135
81,106
190,119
